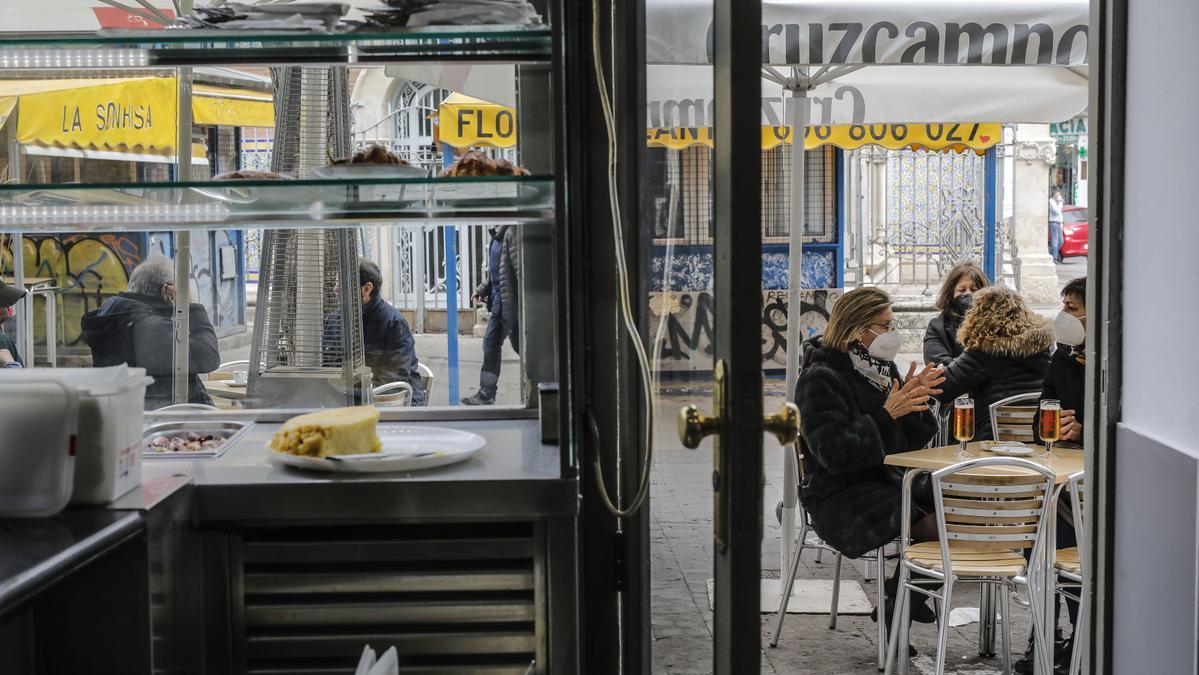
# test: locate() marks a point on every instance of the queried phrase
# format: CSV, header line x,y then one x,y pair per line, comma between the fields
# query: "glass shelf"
x,y
150,48
299,203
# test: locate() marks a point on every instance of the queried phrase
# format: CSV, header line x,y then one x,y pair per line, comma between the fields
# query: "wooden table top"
x,y
1063,462
219,385
32,281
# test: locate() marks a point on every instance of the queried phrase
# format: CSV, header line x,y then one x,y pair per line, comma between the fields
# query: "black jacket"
x,y
999,368
1066,381
509,288
390,347
136,330
941,339
853,498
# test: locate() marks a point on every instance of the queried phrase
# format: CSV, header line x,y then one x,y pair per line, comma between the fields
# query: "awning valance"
x,y
465,122
955,136
134,116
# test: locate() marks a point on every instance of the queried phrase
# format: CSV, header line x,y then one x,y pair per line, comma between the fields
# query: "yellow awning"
x,y
956,137
126,115
230,107
465,122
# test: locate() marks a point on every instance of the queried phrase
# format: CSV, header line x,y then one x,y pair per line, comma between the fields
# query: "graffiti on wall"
x,y
687,339
90,268
690,267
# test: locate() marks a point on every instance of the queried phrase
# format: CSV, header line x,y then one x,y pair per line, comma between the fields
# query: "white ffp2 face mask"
x,y
1069,329
885,346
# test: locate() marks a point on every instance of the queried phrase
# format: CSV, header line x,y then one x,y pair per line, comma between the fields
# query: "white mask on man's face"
x,y
1069,329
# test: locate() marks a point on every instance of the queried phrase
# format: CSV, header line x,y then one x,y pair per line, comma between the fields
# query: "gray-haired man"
x,y
135,328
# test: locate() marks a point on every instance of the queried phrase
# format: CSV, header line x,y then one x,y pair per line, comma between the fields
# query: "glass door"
x,y
701,205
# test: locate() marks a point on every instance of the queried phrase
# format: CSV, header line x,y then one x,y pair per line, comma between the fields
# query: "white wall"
x,y
1158,448
1161,237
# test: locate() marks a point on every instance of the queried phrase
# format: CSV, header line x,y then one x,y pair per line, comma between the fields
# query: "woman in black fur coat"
x,y
854,411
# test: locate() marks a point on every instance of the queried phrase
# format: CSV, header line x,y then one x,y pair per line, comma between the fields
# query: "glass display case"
x,y
120,147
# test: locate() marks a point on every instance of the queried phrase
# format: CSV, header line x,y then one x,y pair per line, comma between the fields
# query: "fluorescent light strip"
x,y
73,58
116,215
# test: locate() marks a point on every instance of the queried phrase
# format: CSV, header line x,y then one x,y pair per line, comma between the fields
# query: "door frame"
x,y
1105,297
737,309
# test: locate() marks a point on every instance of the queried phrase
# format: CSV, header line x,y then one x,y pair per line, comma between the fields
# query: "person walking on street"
x,y
1055,226
501,293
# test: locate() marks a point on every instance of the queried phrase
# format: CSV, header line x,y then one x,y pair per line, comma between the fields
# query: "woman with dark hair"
x,y
855,409
1006,350
957,292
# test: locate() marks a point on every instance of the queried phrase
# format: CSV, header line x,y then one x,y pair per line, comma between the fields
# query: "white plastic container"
x,y
108,459
39,421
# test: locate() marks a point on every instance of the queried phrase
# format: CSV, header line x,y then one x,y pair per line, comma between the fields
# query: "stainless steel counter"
x,y
38,553
74,588
513,476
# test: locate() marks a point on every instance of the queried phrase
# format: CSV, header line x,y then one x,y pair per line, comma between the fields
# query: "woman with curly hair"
x,y
1006,351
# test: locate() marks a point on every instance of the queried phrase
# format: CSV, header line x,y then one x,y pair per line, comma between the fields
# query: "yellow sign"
x,y
956,136
465,122
132,116
225,106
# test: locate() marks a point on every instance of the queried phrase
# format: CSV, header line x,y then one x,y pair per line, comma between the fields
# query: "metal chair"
x,y
805,524
1071,567
230,366
186,406
1011,421
392,394
427,378
983,523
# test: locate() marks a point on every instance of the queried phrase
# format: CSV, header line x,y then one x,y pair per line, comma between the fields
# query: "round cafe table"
x,y
220,386
1063,462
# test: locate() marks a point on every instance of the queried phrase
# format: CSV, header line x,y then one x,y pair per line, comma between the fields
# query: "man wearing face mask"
x,y
9,296
1066,379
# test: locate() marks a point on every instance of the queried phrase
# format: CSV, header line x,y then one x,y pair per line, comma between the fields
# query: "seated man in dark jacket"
x,y
135,328
388,342
9,296
1065,382
1067,377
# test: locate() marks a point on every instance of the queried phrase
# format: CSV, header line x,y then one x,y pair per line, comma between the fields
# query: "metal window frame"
x,y
1105,291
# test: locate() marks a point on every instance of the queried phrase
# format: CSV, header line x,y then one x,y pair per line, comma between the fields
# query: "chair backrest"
x,y
230,366
392,394
1076,485
427,378
992,509
1012,418
187,406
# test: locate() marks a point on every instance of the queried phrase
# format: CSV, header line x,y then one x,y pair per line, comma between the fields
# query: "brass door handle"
x,y
784,424
694,426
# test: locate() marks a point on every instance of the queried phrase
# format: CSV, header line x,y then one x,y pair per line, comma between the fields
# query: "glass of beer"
x,y
963,423
1051,423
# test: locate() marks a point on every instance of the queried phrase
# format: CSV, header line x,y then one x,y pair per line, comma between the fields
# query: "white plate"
x,y
405,448
1011,449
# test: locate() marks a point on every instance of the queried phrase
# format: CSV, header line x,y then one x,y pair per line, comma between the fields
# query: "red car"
x,y
1076,229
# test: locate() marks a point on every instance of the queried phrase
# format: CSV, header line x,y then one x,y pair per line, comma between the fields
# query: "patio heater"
x,y
307,349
